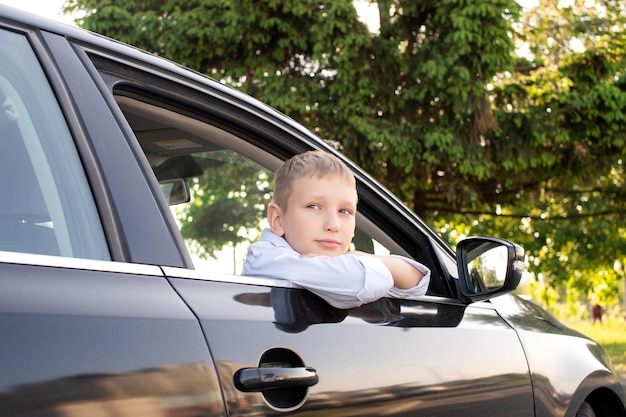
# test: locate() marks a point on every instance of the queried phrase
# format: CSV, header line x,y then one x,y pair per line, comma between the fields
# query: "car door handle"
x,y
268,378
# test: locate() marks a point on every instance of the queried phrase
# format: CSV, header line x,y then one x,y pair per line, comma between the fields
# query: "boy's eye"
x,y
345,211
314,206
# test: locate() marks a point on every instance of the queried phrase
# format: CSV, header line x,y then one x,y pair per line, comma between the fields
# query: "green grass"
x,y
611,334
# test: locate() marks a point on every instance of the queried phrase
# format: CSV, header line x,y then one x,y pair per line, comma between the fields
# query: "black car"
x,y
112,163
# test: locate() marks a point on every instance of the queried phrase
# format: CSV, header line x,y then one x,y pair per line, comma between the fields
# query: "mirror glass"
x,y
176,191
487,270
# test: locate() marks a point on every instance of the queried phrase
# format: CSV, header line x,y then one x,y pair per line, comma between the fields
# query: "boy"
x,y
311,225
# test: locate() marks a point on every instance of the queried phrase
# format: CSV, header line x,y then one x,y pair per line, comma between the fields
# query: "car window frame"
x,y
131,214
181,94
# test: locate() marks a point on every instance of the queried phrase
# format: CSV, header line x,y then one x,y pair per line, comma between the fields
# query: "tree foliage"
x,y
408,103
569,100
437,104
229,184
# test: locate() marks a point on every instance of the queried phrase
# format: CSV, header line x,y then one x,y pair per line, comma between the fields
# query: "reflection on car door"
x,y
393,355
98,338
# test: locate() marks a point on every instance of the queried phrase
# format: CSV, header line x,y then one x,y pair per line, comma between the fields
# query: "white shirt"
x,y
344,281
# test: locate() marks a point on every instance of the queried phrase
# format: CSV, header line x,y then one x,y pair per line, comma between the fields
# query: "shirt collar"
x,y
274,239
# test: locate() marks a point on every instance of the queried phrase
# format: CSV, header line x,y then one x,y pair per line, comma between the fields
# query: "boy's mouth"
x,y
328,243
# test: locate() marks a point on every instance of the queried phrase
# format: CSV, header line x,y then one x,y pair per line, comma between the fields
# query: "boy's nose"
x,y
332,222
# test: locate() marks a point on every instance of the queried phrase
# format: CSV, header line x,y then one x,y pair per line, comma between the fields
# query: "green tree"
x,y
568,100
409,103
231,184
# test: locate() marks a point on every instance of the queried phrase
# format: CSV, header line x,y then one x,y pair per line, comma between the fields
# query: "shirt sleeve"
x,y
344,281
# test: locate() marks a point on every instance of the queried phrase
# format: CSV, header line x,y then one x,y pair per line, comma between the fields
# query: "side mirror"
x,y
488,267
176,191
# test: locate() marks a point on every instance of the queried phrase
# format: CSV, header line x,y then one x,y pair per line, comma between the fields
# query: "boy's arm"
x,y
405,275
343,281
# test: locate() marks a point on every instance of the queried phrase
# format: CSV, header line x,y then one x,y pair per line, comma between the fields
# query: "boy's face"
x,y
320,215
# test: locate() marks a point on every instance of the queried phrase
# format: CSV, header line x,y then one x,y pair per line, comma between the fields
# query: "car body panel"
x,y
538,329
91,338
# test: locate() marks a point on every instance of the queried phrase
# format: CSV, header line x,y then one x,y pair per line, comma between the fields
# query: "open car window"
x,y
218,185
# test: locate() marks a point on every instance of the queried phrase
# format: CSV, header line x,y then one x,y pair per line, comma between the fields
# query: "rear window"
x,y
46,205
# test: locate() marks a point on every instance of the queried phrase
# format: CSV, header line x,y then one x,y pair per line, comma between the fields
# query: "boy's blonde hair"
x,y
307,164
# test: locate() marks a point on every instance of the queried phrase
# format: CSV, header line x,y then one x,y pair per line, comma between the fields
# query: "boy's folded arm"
x,y
406,273
343,281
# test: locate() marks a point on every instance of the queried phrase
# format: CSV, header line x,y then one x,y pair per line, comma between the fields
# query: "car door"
x,y
392,357
85,330
278,348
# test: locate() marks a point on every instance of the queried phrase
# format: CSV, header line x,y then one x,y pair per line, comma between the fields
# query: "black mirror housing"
x,y
488,267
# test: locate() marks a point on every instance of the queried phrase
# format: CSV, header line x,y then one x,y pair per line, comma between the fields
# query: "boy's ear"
x,y
274,216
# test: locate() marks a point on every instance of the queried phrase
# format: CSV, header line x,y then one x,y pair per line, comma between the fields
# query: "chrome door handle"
x,y
269,378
